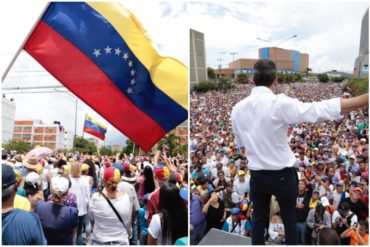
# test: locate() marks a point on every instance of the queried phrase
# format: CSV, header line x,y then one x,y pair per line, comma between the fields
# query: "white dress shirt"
x,y
260,123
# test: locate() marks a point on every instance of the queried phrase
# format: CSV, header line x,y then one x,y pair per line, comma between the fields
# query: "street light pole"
x,y
278,43
220,60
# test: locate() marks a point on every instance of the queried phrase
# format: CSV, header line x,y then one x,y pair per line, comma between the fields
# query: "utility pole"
x,y
220,60
233,54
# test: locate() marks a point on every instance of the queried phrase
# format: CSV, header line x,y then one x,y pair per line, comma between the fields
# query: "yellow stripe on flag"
x,y
87,117
168,74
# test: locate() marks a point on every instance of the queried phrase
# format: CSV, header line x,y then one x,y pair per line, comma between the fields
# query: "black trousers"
x,y
283,185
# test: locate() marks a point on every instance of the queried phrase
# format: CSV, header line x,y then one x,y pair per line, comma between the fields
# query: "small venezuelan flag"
x,y
94,128
101,53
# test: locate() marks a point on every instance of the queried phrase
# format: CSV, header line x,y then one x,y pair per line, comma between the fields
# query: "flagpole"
x,y
23,43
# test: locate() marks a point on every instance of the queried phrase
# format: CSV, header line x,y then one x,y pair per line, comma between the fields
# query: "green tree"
x,y
106,151
85,146
129,148
17,145
323,77
242,78
358,86
338,79
204,86
170,141
281,77
297,77
223,84
180,149
211,74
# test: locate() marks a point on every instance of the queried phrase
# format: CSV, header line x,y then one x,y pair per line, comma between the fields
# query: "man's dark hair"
x,y
328,236
4,156
264,72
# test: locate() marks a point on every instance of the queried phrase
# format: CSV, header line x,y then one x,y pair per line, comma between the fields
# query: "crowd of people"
x,y
331,166
78,199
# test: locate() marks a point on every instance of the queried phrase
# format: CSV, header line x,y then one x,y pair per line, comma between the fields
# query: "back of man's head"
x,y
264,73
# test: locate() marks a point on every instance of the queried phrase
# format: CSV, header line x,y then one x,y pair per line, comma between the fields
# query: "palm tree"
x,y
170,141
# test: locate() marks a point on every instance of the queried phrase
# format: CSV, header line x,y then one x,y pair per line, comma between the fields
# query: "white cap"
x,y
352,156
59,184
324,201
33,178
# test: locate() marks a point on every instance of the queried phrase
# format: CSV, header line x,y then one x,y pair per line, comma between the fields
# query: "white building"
x,y
7,119
53,136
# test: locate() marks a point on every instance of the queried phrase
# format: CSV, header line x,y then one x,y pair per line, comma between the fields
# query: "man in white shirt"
x,y
260,123
241,185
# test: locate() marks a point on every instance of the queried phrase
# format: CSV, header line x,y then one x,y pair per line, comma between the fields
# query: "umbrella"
x,y
40,153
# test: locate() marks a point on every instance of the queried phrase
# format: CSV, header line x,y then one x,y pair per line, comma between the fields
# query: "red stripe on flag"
x,y
81,76
94,133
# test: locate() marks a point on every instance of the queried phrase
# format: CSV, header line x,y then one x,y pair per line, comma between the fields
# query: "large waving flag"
x,y
100,52
94,127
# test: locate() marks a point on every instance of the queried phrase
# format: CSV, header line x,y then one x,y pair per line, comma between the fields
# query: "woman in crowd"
x,y
215,211
146,183
80,187
104,214
171,223
59,222
317,219
32,186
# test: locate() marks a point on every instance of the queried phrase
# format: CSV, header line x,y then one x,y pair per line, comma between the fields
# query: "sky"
x,y
329,31
166,27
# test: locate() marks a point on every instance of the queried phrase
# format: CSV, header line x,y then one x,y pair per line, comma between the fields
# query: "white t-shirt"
x,y
129,189
81,188
241,188
336,198
336,215
107,227
155,229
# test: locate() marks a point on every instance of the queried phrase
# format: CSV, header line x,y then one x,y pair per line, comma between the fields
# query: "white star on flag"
x,y
130,63
125,56
117,51
132,72
129,90
107,49
133,81
97,52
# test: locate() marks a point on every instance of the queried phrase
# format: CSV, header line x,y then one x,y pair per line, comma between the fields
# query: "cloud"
x,y
328,31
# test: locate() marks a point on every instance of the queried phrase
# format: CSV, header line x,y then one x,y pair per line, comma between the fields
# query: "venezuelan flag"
x,y
94,128
100,52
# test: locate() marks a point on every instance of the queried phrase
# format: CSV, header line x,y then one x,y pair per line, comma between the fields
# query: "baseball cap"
x,y
324,201
340,183
33,178
184,194
235,211
59,185
111,174
358,189
85,167
352,156
241,173
161,172
8,176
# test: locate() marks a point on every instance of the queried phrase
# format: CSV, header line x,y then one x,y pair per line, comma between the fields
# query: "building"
x,y
288,61
36,132
361,69
182,132
7,119
225,72
198,68
243,65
